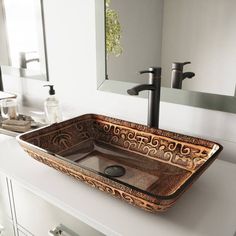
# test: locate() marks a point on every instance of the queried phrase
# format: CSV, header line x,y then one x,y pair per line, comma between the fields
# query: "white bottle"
x,y
52,108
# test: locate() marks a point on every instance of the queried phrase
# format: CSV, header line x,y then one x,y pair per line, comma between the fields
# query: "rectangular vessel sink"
x,y
146,167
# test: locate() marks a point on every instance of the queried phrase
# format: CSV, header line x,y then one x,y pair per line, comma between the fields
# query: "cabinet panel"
x,y
39,217
6,228
20,233
5,209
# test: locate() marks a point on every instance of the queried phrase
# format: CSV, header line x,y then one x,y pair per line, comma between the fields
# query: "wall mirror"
x,y
22,39
140,34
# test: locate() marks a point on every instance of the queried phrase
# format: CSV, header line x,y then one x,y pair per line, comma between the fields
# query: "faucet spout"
x,y
24,62
188,75
142,87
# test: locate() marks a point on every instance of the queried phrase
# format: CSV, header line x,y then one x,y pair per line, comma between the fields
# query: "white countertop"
x,y
207,208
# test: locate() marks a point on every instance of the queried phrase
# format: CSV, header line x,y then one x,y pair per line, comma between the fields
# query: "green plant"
x,y
113,31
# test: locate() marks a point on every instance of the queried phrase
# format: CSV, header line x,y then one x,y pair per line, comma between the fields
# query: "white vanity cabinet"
x,y
22,213
6,221
6,228
39,217
20,233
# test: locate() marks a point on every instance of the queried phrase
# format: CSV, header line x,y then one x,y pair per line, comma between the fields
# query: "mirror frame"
x,y
189,98
16,72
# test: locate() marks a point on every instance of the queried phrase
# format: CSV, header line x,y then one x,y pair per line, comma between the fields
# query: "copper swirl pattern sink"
x,y
146,167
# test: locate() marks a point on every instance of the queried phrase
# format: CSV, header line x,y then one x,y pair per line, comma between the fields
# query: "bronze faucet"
x,y
154,88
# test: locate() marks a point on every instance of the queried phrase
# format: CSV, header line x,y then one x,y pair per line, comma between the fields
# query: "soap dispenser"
x,y
51,107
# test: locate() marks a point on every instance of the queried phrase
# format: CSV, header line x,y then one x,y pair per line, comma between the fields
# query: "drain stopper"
x,y
115,171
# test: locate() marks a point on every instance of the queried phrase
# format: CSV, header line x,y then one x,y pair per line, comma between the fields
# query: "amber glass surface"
x,y
156,163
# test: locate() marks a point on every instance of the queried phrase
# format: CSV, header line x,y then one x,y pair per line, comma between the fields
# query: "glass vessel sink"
x,y
146,167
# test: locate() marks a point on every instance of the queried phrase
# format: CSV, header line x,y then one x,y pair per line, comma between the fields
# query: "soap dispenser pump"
x,y
51,107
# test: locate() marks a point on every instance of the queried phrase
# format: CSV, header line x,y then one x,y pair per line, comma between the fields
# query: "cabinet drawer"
x,y
39,217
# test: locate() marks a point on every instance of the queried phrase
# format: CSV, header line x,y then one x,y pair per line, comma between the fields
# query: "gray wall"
x,y
202,31
141,23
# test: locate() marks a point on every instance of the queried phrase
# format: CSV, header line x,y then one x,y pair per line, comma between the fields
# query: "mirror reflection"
x,y
22,42
192,40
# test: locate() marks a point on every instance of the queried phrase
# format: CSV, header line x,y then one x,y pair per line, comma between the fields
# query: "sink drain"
x,y
115,171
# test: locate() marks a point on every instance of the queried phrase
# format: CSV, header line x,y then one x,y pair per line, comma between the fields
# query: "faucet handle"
x,y
156,71
179,65
146,72
186,63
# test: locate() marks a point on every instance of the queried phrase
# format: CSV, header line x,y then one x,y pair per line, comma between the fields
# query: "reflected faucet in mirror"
x,y
24,62
154,88
177,74
23,40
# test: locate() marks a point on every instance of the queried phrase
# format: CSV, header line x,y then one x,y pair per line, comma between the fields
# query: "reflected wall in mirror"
x,y
160,32
22,39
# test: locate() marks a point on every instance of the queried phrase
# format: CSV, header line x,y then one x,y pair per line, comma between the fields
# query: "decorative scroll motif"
x,y
183,155
131,199
62,139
